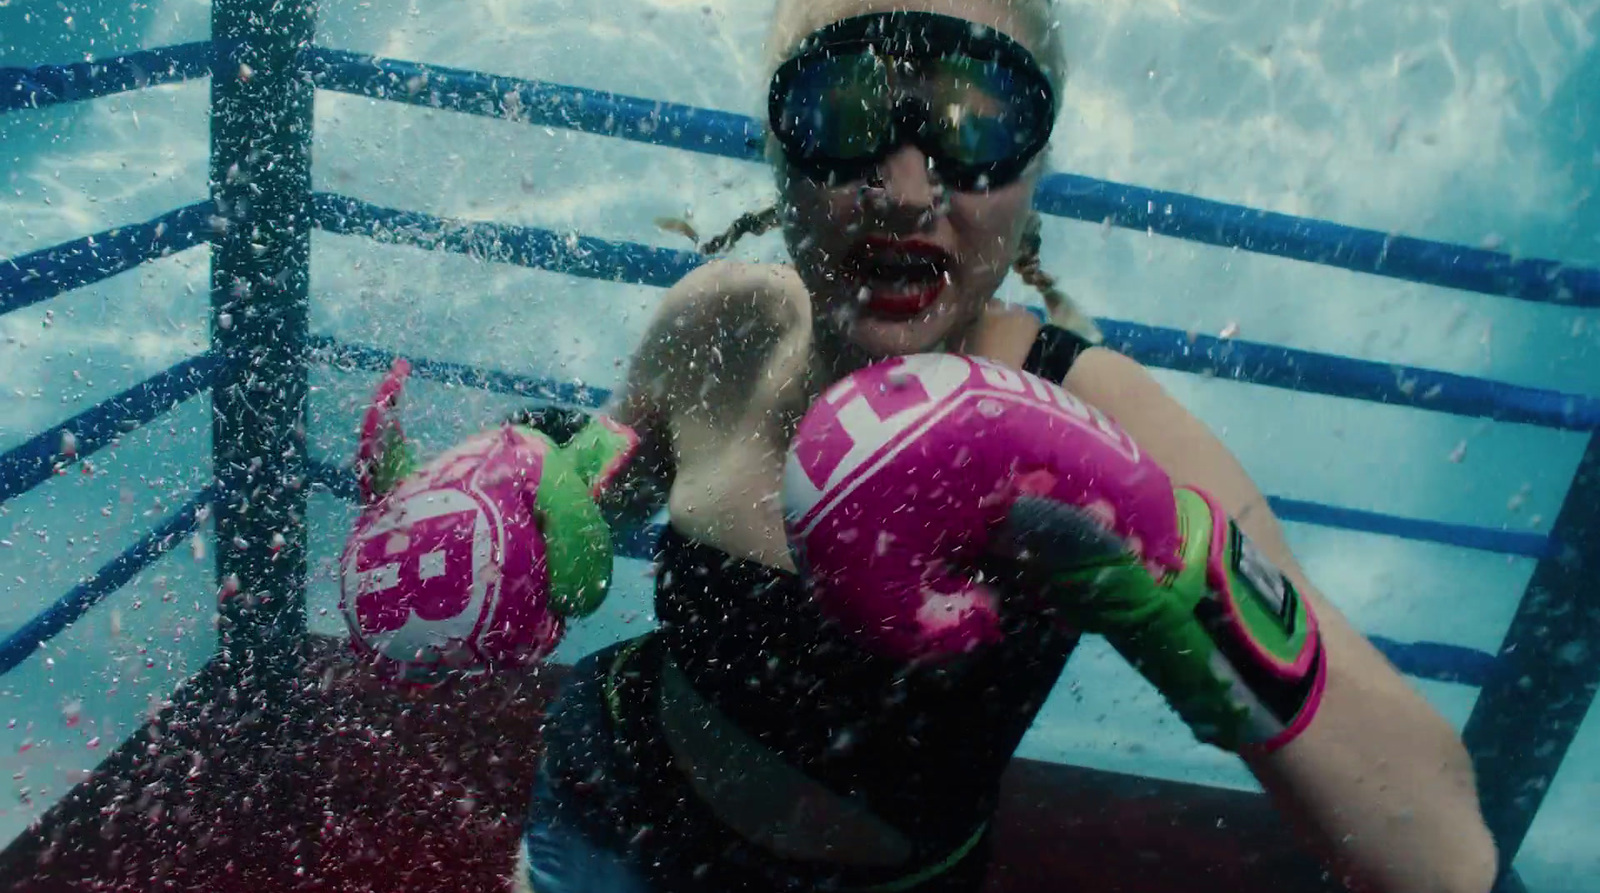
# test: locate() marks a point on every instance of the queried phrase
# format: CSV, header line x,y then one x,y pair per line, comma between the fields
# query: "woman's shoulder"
x,y
722,290
718,329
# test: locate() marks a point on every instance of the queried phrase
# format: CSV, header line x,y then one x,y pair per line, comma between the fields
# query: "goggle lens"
x,y
980,115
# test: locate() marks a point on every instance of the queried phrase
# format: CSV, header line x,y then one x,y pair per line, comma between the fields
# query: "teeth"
x,y
904,260
912,270
897,285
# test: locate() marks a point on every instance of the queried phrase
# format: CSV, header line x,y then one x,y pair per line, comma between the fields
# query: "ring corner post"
x,y
260,180
1546,675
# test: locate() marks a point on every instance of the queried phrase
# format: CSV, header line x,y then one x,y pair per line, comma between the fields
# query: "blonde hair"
x,y
1035,26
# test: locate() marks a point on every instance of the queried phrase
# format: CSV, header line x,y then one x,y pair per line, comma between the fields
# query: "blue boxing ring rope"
x,y
1518,733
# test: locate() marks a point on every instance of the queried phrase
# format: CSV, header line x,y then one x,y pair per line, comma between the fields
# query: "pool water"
x,y
1463,122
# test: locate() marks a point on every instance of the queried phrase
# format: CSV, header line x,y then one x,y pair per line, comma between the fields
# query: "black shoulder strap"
x,y
1054,352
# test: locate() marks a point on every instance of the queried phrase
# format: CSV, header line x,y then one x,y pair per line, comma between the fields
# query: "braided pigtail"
x,y
755,223
1063,311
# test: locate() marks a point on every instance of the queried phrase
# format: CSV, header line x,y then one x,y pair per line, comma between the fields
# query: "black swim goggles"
x,y
972,99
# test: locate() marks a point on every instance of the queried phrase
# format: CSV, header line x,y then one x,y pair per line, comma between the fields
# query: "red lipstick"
x,y
897,278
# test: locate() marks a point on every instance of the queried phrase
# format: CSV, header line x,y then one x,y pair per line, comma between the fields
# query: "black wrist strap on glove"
x,y
559,423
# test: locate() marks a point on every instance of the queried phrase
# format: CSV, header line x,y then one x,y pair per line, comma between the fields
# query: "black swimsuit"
x,y
923,749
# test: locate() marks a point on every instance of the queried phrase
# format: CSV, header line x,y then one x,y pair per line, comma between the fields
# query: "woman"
x,y
744,745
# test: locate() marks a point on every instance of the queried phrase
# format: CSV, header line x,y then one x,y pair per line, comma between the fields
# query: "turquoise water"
x,y
1460,121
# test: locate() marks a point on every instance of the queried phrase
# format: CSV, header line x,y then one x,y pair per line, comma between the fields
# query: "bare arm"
x,y
642,488
1379,780
711,331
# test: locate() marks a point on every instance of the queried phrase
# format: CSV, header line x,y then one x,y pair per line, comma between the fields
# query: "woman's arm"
x,y
642,487
1379,780
711,332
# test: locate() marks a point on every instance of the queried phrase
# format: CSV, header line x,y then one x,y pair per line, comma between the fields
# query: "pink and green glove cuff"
x,y
577,539
1225,637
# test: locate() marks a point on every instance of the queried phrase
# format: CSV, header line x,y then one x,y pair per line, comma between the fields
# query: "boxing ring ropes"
x,y
265,70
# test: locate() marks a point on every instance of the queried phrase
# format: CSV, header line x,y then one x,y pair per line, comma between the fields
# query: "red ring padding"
x,y
364,788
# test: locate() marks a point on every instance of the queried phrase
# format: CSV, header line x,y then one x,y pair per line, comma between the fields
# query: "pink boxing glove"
x,y
473,561
901,475
440,575
905,474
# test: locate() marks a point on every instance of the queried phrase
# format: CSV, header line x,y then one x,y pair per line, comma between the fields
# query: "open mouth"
x,y
897,279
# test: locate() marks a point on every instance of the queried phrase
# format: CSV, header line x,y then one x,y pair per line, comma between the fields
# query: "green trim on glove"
x,y
577,540
395,461
598,450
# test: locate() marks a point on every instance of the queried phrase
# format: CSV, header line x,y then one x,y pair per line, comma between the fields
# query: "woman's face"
x,y
898,263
